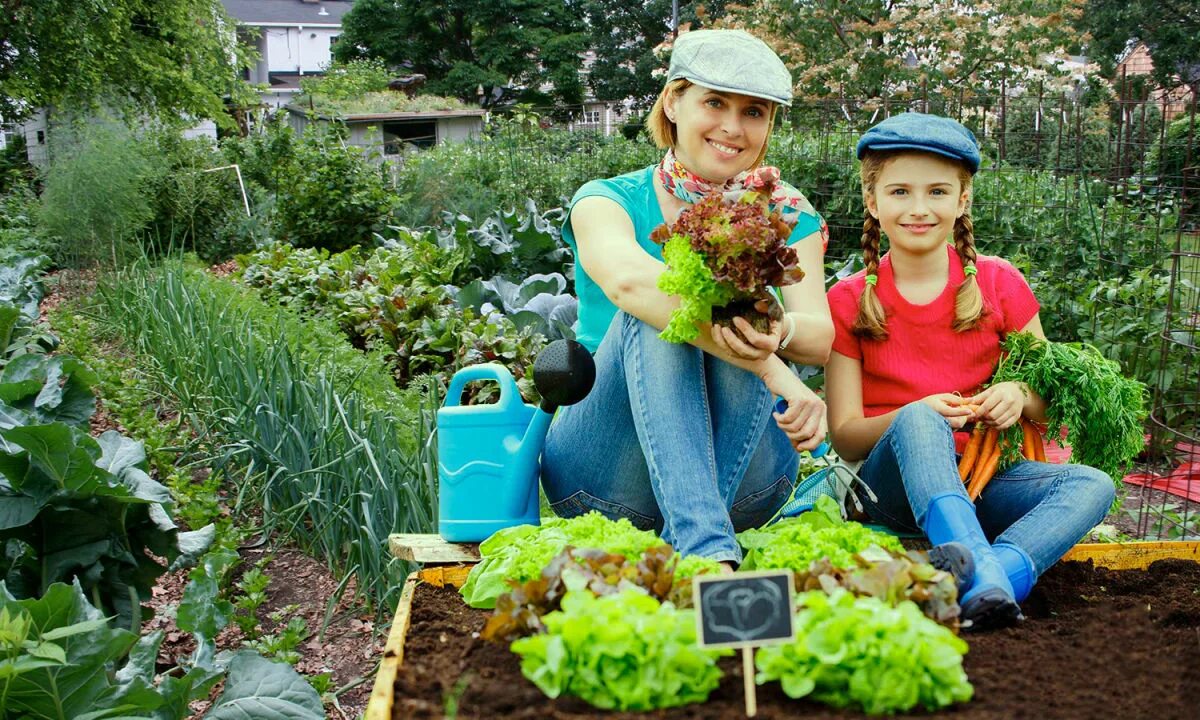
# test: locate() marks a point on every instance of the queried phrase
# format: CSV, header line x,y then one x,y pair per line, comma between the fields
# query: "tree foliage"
x,y
164,57
624,36
1170,28
463,45
890,48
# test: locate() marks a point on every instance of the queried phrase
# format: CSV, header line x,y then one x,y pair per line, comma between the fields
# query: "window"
x,y
591,117
421,133
41,135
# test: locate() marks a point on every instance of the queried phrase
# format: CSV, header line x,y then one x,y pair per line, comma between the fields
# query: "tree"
x,y
462,45
165,57
1170,28
870,49
624,34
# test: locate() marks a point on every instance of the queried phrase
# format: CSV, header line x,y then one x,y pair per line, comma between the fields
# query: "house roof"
x,y
377,117
287,12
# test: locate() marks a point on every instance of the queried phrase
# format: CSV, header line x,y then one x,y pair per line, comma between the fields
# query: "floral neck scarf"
x,y
690,187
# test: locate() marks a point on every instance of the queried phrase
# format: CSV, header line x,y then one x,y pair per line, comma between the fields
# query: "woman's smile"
x,y
718,134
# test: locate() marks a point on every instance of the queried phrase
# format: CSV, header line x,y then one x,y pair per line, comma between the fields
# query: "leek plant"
x,y
321,439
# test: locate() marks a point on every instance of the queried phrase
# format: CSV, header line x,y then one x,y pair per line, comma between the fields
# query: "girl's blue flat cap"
x,y
928,133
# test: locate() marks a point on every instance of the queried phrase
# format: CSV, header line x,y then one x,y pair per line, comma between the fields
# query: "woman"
x,y
680,438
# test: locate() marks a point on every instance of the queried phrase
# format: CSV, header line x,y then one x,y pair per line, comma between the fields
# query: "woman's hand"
x,y
1001,405
756,346
952,407
804,420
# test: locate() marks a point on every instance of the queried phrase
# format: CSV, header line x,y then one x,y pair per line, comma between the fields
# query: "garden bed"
x,y
1098,642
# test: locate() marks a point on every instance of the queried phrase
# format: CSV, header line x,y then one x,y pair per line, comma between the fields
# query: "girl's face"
x,y
718,134
917,199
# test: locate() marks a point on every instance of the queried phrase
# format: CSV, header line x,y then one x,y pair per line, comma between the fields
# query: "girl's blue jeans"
x,y
1042,508
674,440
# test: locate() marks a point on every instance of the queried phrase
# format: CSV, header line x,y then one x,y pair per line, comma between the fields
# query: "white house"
x,y
294,39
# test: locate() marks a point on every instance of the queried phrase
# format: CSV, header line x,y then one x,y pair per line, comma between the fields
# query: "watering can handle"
x,y
486,371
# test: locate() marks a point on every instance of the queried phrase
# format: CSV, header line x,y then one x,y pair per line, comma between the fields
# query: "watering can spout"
x,y
526,460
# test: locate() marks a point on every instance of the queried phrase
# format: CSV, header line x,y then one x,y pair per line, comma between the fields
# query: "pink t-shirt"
x,y
922,354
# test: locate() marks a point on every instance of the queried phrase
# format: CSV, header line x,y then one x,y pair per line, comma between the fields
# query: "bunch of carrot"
x,y
982,454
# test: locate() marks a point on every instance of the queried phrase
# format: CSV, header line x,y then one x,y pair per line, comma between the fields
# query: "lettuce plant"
x,y
724,254
519,554
520,611
863,652
620,652
796,543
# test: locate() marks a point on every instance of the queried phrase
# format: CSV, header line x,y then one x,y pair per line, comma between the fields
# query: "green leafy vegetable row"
x,y
867,653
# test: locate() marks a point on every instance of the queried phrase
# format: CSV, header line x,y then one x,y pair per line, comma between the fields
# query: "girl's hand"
x,y
804,420
1001,405
952,407
756,346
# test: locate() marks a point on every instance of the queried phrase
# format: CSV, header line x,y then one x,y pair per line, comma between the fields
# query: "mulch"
x,y
1096,643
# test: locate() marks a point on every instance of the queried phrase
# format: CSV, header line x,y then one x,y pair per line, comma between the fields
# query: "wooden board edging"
x,y
379,707
1134,555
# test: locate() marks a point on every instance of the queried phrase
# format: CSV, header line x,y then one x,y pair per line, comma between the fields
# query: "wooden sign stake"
x,y
748,677
745,610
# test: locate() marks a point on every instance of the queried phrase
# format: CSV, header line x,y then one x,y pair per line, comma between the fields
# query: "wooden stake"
x,y
748,676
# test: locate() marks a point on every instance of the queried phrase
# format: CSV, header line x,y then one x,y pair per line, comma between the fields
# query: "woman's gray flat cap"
x,y
731,61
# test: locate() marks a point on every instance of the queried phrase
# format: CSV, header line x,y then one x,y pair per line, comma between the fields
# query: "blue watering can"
x,y
489,456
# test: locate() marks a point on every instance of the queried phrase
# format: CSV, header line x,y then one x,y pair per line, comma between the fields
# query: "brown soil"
x,y
1096,643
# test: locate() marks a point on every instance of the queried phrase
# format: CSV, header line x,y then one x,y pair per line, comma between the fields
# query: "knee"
x,y
1095,488
919,416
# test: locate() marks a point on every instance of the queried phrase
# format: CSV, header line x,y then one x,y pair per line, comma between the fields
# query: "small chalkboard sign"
x,y
744,609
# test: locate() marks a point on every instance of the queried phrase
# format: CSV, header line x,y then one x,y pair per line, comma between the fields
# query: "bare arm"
x,y
609,252
805,302
853,435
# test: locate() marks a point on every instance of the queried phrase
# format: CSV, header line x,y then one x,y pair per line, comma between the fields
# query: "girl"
x,y
679,438
918,333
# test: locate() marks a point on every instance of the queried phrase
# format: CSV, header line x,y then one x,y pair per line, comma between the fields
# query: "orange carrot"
x,y
989,445
984,476
1027,446
971,452
1039,450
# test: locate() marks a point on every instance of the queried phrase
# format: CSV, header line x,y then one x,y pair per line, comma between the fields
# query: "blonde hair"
x,y
969,307
662,128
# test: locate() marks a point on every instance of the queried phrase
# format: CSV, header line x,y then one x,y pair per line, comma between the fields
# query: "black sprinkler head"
x,y
563,373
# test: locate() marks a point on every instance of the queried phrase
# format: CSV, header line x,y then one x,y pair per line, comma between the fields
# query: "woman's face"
x,y
917,199
718,134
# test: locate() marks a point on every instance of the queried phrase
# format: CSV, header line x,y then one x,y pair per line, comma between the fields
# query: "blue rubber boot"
x,y
1019,568
988,602
956,559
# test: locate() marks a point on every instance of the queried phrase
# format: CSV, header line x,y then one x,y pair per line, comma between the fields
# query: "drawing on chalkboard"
x,y
744,611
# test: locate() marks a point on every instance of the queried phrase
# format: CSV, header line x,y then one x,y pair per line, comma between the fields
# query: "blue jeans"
x,y
674,440
1042,508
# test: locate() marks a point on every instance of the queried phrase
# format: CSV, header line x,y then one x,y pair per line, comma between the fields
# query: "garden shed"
x,y
387,133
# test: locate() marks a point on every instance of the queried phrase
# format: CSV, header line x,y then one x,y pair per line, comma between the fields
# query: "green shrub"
x,y
194,203
98,193
334,197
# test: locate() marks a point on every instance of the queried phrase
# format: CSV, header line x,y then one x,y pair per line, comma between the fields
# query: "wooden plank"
x,y
431,549
379,707
1134,555
443,575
